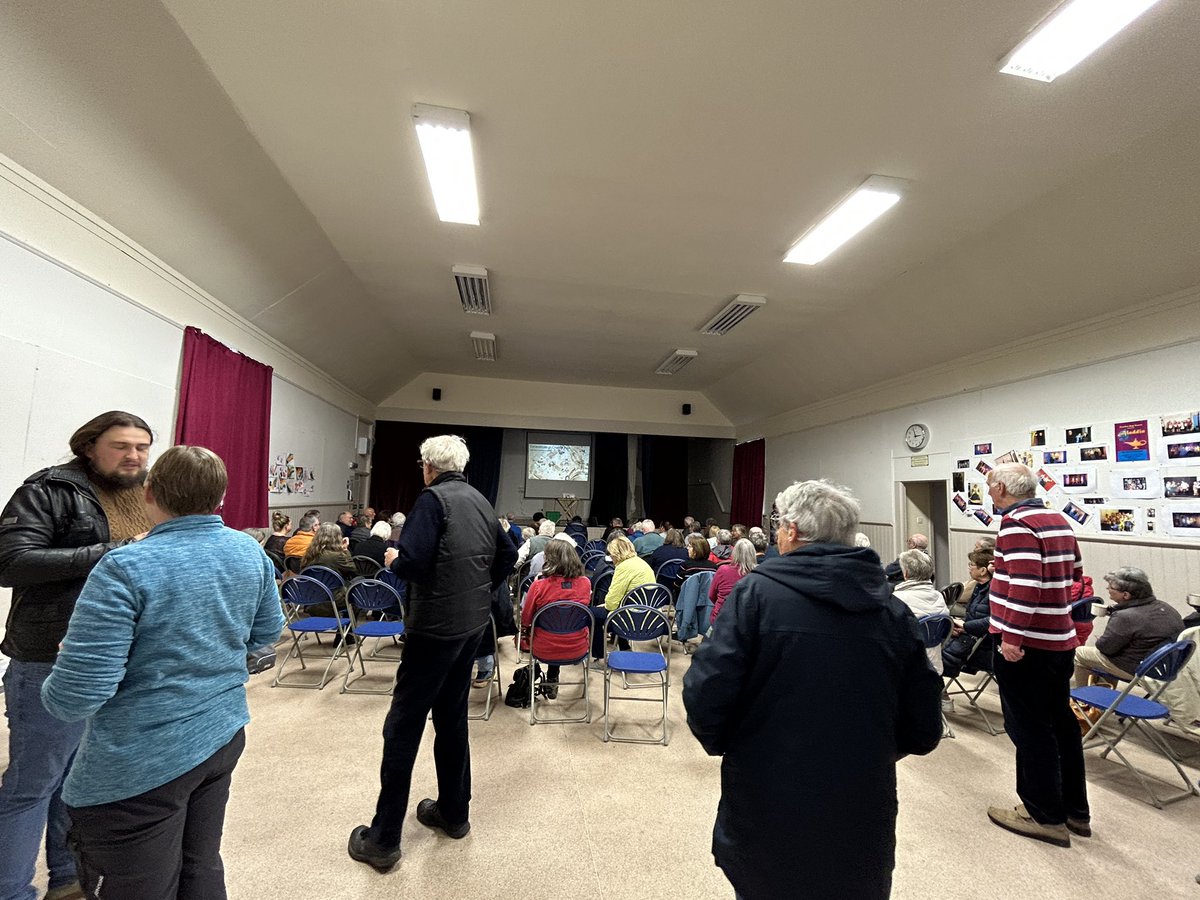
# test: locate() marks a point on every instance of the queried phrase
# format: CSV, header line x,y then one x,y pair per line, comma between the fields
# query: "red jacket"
x,y
547,590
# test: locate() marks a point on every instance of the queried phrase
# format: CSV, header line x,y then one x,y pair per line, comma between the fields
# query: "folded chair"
x,y
638,623
561,617
366,595
298,593
1124,711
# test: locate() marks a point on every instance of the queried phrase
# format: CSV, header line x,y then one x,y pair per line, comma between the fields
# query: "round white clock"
x,y
917,436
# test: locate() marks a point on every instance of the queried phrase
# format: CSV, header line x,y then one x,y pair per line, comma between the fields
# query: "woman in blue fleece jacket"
x,y
155,661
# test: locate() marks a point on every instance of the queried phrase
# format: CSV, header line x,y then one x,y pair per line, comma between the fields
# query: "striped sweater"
x,y
1037,560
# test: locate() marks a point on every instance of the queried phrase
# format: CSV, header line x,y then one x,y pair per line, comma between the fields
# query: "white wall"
x,y
868,454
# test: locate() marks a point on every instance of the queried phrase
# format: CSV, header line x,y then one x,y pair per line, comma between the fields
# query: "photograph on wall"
x,y
1181,423
1149,526
983,517
963,464
1025,458
1054,457
1133,440
1135,484
982,449
1010,456
1183,523
1093,501
975,494
1078,513
1080,435
285,477
1093,454
1183,450
1179,487
960,503
983,468
958,481
1079,480
1048,484
1037,437
1123,521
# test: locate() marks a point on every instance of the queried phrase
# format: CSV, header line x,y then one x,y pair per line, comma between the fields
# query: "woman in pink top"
x,y
743,562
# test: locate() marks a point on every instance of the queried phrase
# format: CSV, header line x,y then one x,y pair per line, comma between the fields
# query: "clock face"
x,y
916,436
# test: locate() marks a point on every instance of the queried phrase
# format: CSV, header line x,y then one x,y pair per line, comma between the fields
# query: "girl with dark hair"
x,y
281,530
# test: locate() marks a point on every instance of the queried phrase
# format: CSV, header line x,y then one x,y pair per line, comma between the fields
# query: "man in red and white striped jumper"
x,y
1037,560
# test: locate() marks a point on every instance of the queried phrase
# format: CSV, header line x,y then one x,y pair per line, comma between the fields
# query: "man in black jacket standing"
x,y
814,684
52,532
453,553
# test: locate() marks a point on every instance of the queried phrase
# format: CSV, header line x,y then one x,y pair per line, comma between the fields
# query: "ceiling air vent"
x,y
472,284
734,314
675,362
484,345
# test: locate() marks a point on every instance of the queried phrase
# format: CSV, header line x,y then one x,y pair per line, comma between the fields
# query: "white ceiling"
x,y
639,164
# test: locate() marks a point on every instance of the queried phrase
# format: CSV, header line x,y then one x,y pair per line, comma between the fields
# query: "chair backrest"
x,y
596,544
648,595
326,576
562,617
394,581
934,629
635,622
591,558
365,566
697,581
1081,609
579,549
306,591
523,587
292,564
668,573
372,594
600,588
1165,662
952,592
277,559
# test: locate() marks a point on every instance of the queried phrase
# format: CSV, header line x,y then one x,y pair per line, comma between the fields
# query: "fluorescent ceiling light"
x,y
873,198
445,136
1071,34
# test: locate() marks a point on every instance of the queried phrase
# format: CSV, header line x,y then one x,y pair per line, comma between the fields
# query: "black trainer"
x,y
364,850
430,816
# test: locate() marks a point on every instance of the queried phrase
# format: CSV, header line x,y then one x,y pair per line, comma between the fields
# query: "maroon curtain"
x,y
749,471
225,405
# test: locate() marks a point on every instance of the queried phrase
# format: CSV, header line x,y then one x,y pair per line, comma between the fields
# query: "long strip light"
x,y
445,137
1069,35
873,198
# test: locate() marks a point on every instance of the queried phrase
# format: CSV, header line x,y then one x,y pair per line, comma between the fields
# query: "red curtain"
x,y
225,405
749,476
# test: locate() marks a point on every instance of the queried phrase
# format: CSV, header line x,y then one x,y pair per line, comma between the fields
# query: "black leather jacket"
x,y
52,532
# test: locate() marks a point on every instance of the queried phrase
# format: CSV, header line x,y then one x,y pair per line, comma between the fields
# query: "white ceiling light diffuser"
x,y
734,313
675,362
445,137
484,345
1070,35
873,198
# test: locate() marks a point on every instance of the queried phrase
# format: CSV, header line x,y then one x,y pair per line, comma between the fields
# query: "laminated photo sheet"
x,y
1135,484
1076,479
1181,520
1179,450
1054,456
1119,518
1182,484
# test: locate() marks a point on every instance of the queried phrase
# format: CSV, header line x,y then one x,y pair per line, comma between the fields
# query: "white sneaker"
x,y
947,704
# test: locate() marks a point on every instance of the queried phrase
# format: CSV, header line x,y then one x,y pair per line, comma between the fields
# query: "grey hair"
x,y
307,523
1130,580
527,532
744,556
759,540
546,529
724,537
259,534
446,453
1017,479
381,529
648,525
861,540
822,512
916,565
398,520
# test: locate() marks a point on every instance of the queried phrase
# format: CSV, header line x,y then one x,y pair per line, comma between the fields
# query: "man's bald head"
x,y
918,542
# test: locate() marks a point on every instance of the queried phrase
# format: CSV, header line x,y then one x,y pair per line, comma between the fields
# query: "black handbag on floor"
x,y
517,694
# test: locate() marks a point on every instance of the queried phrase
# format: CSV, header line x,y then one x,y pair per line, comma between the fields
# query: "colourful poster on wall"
x,y
1133,441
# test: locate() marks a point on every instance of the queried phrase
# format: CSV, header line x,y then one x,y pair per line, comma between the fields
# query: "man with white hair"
x,y
794,797
453,553
1037,560
916,541
650,540
536,544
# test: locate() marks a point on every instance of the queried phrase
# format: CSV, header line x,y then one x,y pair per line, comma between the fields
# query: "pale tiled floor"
x,y
560,814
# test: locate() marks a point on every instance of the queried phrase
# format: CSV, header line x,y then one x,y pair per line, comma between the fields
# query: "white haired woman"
x,y
917,592
743,561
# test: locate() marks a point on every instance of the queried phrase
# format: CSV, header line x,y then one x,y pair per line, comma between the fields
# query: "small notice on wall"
x,y
915,462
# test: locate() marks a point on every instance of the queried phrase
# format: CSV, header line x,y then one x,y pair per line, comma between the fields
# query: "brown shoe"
x,y
1081,827
1018,821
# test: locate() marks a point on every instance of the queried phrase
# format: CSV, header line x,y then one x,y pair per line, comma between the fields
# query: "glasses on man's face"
x,y
420,463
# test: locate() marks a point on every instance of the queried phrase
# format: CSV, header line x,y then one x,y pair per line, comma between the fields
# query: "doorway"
x,y
922,510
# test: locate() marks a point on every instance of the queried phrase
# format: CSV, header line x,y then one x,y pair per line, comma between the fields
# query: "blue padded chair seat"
x,y
635,661
379,629
316,623
1131,707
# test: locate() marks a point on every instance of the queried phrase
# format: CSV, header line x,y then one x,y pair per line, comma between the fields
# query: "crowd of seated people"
x,y
561,578
741,563
671,548
298,543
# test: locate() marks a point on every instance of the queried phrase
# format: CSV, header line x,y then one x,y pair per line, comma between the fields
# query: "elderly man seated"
x,y
1138,624
892,570
917,592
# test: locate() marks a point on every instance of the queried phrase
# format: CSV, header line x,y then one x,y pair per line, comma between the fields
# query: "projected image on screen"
x,y
558,462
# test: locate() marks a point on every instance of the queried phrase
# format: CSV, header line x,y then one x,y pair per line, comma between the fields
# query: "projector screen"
x,y
558,463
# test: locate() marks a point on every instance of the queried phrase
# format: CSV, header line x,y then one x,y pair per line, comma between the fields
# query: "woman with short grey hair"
x,y
1130,580
821,512
917,592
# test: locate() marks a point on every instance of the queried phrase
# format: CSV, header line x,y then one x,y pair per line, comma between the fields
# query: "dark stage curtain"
x,y
664,477
225,405
396,478
749,471
611,484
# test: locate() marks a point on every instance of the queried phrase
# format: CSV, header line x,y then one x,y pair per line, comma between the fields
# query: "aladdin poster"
x,y
1133,441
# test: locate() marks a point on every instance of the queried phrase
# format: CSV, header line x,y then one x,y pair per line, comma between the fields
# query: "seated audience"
x,y
298,543
650,540
698,557
759,540
536,543
576,530
1139,624
539,559
915,542
362,530
260,535
397,523
741,564
712,532
328,549
376,545
345,521
723,552
739,532
973,626
672,548
916,591
562,578
280,527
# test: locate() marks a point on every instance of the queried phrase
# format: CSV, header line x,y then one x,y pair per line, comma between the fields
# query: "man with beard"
x,y
53,531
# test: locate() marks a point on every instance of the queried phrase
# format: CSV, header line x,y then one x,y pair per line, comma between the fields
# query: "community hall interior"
x,y
253,170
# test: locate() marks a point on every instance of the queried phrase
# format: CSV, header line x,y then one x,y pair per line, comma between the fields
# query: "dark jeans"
x,y
1035,696
163,843
434,675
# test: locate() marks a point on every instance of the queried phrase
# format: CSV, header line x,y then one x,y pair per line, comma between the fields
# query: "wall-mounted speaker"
x,y
687,409
437,393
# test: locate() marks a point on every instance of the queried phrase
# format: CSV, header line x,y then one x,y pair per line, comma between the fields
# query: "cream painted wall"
x,y
562,407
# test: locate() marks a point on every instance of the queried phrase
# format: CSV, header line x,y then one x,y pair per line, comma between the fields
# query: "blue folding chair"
x,y
934,631
591,559
368,595
595,544
298,593
693,608
1127,711
366,567
327,576
668,575
638,623
600,588
523,589
560,617
648,595
978,662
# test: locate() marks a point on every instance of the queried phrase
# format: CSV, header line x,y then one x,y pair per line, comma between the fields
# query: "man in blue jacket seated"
x,y
155,660
814,683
